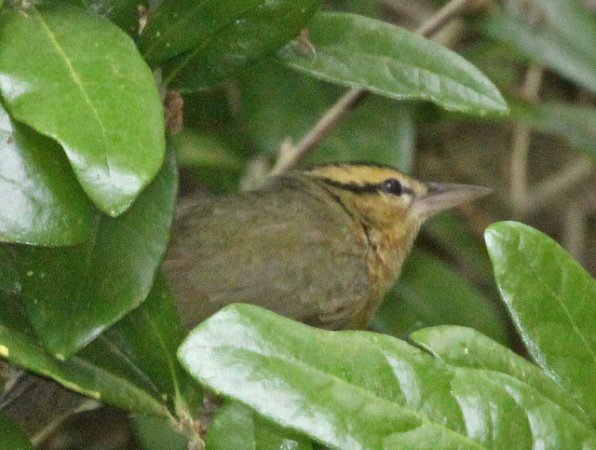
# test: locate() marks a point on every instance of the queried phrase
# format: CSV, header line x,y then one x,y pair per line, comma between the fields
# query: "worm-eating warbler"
x,y
322,245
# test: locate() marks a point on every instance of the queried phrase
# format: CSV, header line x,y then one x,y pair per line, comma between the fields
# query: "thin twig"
x,y
520,145
335,115
572,174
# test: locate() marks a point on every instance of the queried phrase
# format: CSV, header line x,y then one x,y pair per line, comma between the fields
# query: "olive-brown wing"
x,y
292,248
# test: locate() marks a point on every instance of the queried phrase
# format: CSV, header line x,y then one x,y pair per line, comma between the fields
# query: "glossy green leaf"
x,y
546,46
238,427
552,300
142,346
98,282
360,390
466,347
574,123
74,76
430,293
380,130
237,37
357,51
133,365
19,346
41,202
13,437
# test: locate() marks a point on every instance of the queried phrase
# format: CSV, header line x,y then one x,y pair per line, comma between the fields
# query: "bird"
x,y
321,245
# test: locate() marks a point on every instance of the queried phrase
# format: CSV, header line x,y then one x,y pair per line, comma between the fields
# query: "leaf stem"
x,y
290,156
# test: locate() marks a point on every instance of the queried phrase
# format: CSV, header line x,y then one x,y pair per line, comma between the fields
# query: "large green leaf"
x,y
132,366
430,293
19,346
552,300
360,390
547,46
466,347
237,427
237,34
13,437
94,284
41,202
79,79
391,61
574,123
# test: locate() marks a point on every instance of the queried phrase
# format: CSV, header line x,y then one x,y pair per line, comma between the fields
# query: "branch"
x,y
289,158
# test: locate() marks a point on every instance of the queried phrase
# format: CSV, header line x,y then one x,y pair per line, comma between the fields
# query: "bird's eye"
x,y
392,186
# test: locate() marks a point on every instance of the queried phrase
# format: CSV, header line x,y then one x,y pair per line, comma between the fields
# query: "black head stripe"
x,y
367,188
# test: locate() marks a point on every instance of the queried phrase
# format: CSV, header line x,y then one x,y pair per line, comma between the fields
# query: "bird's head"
x,y
389,201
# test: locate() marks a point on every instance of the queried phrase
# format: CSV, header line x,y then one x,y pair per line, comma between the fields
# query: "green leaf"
x,y
552,300
236,37
466,347
430,293
133,365
75,77
357,51
124,13
41,202
380,130
142,348
545,45
179,26
13,437
237,427
155,433
19,346
360,390
96,283
574,123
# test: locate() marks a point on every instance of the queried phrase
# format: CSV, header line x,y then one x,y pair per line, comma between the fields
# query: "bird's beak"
x,y
441,196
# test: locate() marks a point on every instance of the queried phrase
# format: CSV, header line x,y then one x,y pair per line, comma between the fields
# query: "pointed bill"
x,y
441,196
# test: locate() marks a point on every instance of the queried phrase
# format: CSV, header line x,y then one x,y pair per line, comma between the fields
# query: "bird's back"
x,y
290,247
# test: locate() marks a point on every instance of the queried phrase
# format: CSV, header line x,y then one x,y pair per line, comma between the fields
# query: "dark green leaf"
x,y
96,283
238,427
546,46
155,433
179,26
75,77
20,347
360,390
357,51
430,293
133,365
124,13
466,347
41,202
574,123
380,130
237,39
467,249
552,300
142,348
13,437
